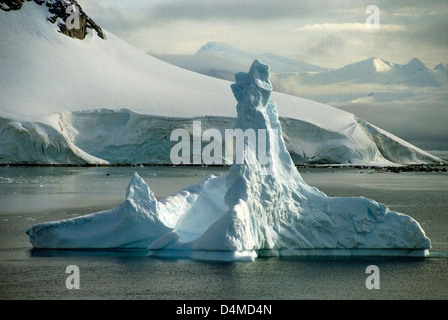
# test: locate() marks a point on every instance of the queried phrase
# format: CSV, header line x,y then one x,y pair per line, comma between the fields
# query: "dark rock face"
x,y
8,5
63,12
66,8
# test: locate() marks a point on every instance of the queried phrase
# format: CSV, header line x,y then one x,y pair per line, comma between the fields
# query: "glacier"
x,y
255,210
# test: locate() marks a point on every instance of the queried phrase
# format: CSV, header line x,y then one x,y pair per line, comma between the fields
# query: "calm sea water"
x,y
31,195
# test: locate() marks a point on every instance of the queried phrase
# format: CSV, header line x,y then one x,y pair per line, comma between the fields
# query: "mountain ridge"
x,y
379,71
370,70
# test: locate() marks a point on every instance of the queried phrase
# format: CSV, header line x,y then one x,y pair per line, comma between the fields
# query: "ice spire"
x,y
278,213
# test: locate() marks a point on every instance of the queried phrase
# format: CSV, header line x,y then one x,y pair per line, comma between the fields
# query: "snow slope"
x,y
257,209
71,101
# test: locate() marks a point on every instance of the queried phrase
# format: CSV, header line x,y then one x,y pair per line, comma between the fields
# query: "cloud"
x,y
234,10
292,28
422,123
325,45
340,27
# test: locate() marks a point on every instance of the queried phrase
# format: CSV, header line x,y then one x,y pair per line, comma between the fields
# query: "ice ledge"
x,y
251,255
344,253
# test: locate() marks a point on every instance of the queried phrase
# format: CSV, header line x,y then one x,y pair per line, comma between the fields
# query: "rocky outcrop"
x,y
60,11
10,5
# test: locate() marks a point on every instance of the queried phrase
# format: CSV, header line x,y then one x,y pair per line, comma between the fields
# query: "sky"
x,y
326,33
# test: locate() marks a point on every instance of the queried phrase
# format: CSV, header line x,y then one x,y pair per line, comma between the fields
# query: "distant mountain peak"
x,y
369,65
277,63
212,45
441,66
380,65
59,12
416,63
217,47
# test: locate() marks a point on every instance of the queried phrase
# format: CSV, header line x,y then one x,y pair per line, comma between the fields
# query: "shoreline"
x,y
395,169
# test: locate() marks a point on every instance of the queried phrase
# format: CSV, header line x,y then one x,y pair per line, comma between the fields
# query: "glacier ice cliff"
x,y
256,209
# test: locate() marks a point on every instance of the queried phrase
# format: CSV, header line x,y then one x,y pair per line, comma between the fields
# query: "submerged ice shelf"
x,y
259,208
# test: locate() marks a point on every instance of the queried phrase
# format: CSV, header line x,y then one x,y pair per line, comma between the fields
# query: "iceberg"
x,y
258,209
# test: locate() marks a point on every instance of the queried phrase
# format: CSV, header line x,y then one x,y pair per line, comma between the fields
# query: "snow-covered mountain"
x,y
372,70
378,71
96,99
222,61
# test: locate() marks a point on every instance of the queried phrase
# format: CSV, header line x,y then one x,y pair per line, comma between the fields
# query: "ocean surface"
x,y
31,195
